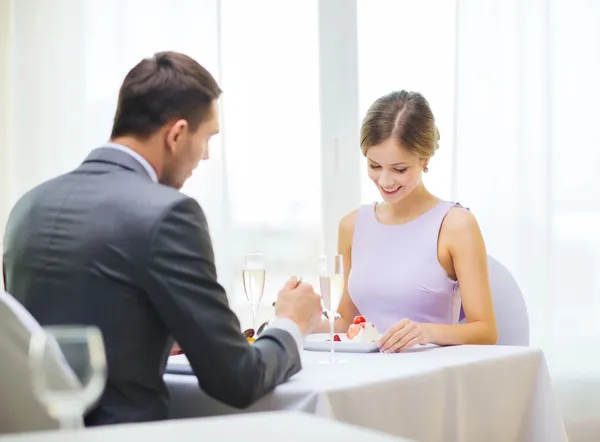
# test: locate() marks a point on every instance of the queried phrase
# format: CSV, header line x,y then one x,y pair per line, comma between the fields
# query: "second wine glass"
x,y
253,276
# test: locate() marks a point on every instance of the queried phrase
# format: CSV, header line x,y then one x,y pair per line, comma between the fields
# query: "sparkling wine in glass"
x,y
68,371
253,275
331,282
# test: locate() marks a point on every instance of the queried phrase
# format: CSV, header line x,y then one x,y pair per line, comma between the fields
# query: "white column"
x,y
340,160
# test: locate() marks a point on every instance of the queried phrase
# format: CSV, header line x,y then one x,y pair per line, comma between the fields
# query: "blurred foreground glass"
x,y
68,371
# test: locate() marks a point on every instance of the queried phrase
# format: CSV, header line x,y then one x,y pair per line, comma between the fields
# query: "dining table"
x,y
257,427
468,393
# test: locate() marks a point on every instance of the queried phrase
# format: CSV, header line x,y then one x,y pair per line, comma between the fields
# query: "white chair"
x,y
512,319
19,409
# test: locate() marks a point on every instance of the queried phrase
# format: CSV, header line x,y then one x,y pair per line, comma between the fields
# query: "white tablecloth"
x,y
462,393
261,427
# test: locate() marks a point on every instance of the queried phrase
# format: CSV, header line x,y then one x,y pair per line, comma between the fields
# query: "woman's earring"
x,y
426,169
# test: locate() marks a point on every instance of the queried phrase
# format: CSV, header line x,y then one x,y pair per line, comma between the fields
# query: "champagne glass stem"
x,y
254,313
71,421
331,317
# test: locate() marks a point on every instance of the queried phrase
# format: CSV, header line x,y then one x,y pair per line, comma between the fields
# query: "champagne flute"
x,y
253,276
331,282
68,371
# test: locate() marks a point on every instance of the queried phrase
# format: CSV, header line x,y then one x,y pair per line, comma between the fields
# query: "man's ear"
x,y
176,135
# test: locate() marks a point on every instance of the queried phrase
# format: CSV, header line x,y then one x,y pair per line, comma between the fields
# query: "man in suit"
x,y
114,244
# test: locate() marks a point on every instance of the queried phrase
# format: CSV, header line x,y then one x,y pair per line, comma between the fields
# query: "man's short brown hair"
x,y
166,87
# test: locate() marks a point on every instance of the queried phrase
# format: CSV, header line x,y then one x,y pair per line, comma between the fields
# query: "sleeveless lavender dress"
x,y
395,270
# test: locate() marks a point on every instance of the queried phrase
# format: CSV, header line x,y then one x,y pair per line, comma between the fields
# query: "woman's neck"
x,y
418,202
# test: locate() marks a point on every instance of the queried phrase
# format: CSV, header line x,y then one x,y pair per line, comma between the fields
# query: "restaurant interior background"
x,y
513,85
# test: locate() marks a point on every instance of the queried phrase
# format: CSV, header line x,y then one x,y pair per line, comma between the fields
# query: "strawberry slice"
x,y
336,338
353,330
358,320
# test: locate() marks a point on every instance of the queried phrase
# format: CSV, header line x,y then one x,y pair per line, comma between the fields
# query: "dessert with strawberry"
x,y
362,331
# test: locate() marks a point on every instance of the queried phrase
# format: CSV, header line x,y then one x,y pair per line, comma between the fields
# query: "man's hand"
x,y
299,302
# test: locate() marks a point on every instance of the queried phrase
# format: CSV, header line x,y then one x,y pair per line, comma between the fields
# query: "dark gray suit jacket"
x,y
105,245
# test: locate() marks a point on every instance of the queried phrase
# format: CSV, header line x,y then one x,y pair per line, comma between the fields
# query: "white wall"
x,y
5,29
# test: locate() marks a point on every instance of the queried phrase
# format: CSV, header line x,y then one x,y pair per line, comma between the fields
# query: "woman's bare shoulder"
x,y
460,220
346,230
348,221
460,231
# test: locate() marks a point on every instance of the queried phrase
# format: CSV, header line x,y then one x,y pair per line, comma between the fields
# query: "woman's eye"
x,y
373,166
401,170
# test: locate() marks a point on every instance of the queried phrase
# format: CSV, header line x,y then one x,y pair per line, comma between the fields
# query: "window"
x,y
402,44
271,136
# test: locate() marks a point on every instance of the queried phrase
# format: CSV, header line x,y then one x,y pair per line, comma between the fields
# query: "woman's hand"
x,y
402,336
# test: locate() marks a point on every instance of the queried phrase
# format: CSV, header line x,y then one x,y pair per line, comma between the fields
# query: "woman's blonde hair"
x,y
404,116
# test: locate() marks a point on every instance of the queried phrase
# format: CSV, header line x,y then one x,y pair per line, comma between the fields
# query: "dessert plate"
x,y
321,342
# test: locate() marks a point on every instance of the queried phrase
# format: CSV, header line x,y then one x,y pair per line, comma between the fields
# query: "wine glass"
x,y
331,282
68,371
253,275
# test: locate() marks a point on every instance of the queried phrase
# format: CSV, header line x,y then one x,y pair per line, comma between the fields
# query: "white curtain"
x,y
6,10
5,62
271,138
417,55
260,190
527,153
66,60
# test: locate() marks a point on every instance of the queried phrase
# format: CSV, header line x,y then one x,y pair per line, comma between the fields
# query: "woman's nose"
x,y
385,180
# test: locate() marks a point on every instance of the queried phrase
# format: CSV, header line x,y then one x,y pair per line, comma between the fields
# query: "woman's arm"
x,y
461,236
346,309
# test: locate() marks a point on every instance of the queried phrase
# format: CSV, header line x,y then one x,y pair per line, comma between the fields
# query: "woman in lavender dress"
x,y
406,258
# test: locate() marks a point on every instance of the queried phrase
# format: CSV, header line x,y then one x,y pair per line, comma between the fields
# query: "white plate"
x,y
321,342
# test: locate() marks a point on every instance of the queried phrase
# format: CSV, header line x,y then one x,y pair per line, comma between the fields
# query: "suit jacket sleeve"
x,y
182,285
